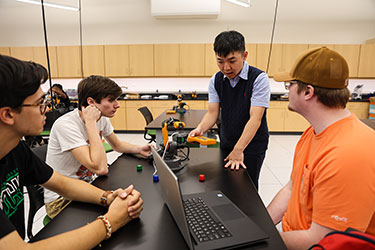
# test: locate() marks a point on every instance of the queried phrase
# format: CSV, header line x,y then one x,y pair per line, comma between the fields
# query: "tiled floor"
x,y
274,174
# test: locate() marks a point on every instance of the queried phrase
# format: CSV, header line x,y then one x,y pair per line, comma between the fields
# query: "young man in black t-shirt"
x,y
22,112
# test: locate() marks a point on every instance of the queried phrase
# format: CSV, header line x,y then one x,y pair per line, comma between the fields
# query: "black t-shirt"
x,y
19,168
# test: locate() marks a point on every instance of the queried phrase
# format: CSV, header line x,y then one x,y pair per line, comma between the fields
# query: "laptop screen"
x,y
172,195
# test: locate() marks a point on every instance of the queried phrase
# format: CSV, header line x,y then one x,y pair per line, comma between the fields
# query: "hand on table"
x,y
235,160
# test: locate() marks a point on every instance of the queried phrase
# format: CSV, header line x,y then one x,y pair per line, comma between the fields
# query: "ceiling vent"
x,y
185,8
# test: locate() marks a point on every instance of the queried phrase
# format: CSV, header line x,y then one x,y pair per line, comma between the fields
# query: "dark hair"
x,y
229,41
18,80
98,88
57,85
333,98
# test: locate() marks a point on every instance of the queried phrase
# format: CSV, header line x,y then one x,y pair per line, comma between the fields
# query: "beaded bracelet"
x,y
108,226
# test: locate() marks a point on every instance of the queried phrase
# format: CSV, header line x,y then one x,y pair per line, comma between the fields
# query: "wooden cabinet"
x,y
69,61
141,60
119,120
360,109
192,59
351,55
5,51
367,61
294,122
38,55
210,65
290,54
22,53
129,118
275,60
252,54
116,60
276,116
93,60
167,59
158,107
280,119
174,60
134,118
195,104
41,58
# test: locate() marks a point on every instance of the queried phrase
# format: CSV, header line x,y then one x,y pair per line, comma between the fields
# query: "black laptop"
x,y
206,220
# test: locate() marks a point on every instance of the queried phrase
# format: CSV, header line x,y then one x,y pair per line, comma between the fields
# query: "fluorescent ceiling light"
x,y
59,6
245,3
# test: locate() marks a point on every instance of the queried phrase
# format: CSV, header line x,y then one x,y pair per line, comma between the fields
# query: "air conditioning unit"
x,y
185,8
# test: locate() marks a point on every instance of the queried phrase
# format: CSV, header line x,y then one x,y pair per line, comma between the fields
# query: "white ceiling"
x,y
109,19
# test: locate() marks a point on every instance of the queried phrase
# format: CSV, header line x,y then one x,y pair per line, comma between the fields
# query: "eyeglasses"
x,y
43,105
288,84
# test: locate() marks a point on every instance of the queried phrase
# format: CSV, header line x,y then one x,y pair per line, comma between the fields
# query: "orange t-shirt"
x,y
333,178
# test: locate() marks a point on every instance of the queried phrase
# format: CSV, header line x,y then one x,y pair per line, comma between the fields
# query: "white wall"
x,y
130,22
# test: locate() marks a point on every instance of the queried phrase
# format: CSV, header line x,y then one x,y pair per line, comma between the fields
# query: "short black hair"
x,y
57,85
229,41
18,80
98,88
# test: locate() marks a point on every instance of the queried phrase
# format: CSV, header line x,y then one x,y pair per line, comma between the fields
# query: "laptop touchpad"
x,y
227,212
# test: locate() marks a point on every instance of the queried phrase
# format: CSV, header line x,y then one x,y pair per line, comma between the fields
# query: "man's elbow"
x,y
100,170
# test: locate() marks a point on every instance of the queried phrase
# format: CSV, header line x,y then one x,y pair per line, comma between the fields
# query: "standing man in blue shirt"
x,y
242,94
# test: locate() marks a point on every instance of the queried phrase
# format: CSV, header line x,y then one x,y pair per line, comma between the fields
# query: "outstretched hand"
x,y
235,160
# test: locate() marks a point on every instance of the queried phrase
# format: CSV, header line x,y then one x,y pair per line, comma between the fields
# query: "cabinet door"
x,y
158,107
69,61
210,61
251,48
5,51
276,116
22,53
192,59
195,104
294,122
367,61
360,109
351,55
141,60
134,118
41,58
119,120
167,59
275,60
116,60
290,55
93,60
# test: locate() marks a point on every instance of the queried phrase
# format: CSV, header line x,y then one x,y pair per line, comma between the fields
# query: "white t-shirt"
x,y
69,132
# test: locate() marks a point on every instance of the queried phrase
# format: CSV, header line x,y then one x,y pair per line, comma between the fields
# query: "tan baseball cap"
x,y
320,67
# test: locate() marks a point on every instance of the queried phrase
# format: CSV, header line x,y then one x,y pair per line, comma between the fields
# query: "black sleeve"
x,y
36,171
6,226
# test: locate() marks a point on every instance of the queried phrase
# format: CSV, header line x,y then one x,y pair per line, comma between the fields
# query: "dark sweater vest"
x,y
235,106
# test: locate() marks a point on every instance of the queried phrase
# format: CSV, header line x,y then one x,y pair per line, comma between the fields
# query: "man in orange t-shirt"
x,y
332,184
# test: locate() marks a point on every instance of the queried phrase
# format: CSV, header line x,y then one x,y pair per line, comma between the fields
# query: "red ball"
x,y
201,177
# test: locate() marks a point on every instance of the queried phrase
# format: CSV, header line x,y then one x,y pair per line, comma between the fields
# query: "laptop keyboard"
x,y
203,224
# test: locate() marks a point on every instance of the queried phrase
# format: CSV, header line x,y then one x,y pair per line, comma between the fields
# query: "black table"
x,y
156,228
369,122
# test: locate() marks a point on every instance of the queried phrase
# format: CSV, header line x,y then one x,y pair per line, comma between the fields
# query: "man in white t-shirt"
x,y
75,147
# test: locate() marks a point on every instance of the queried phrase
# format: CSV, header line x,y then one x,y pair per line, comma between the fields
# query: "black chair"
x,y
36,194
150,134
